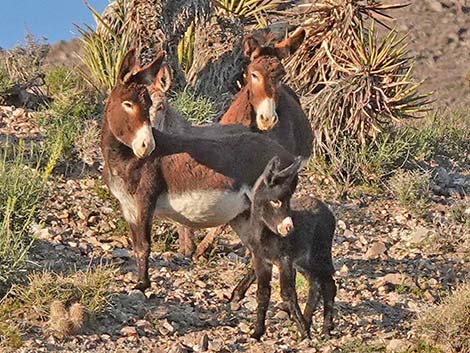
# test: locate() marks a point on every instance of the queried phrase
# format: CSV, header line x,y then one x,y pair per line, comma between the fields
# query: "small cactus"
x,y
77,317
63,323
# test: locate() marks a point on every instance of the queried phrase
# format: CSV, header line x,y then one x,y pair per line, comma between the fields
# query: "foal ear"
x,y
271,170
127,65
146,75
163,80
289,45
251,47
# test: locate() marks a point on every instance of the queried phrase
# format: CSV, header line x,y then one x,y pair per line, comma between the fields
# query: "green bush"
x,y
21,192
58,79
64,119
197,109
347,162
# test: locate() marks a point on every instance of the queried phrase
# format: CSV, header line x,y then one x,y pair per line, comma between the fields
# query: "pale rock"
x,y
395,279
419,235
341,224
244,327
435,5
18,112
375,250
235,306
129,331
281,315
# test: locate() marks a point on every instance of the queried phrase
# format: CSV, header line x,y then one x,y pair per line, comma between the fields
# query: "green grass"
x,y
197,109
350,163
347,164
444,134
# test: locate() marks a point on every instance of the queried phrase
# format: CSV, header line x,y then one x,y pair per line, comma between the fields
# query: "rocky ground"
x,y
390,266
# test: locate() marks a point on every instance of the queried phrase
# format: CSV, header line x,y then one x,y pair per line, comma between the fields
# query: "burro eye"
x,y
276,203
127,104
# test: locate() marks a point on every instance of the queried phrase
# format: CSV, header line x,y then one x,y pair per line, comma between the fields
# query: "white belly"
x,y
202,208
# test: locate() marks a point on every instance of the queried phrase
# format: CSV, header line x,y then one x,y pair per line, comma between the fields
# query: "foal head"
x,y
264,74
128,104
270,198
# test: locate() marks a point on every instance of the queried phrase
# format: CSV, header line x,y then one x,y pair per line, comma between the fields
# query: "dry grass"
x,y
43,300
448,324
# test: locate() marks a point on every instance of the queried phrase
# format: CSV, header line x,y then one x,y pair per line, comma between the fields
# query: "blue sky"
x,y
52,19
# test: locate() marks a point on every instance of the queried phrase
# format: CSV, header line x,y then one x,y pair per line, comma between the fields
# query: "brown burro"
x,y
201,179
265,105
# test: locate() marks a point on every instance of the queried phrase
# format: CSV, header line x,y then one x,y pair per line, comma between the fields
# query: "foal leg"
x,y
263,272
185,236
329,292
289,295
240,290
312,300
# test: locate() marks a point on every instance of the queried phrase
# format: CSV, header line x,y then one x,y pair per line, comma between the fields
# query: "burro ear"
x,y
251,47
289,45
127,65
146,75
163,80
291,170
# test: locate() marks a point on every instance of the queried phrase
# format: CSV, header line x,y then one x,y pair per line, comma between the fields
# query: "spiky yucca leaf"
x,y
251,11
354,83
105,49
371,90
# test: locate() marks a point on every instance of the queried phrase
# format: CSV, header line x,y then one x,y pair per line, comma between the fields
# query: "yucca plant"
x,y
251,11
355,84
105,48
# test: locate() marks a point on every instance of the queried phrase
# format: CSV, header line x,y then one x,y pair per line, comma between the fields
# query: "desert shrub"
x,y
86,142
448,324
22,190
23,63
412,189
349,163
195,108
